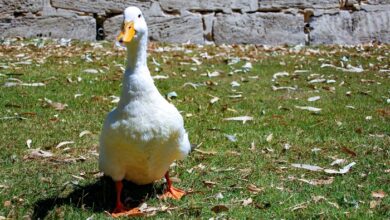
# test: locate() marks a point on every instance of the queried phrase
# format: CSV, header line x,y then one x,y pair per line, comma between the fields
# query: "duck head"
x,y
133,28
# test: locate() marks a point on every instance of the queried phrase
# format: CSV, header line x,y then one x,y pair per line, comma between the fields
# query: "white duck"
x,y
145,133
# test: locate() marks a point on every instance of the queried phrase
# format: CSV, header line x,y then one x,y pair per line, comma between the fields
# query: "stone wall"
x,y
202,21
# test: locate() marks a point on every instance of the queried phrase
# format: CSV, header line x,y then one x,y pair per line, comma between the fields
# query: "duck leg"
x,y
120,209
171,191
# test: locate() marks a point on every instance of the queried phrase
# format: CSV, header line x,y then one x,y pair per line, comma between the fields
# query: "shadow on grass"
x,y
98,197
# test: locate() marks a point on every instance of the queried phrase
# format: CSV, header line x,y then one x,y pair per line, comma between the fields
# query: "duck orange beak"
x,y
127,32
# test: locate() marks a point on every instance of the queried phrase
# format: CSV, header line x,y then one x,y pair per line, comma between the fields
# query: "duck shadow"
x,y
98,197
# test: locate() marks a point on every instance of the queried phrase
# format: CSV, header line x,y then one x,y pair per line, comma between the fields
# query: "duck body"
x,y
143,135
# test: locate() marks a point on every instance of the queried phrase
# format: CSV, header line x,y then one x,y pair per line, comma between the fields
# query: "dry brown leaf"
x,y
7,203
56,105
348,151
254,189
317,199
299,206
334,204
209,184
380,194
205,152
220,208
374,203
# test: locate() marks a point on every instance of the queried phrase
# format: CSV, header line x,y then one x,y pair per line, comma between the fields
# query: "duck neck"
x,y
137,80
136,55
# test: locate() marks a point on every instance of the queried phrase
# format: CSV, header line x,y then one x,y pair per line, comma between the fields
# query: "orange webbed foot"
x,y
126,213
173,193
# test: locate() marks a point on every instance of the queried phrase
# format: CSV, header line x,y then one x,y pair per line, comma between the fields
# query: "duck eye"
x,y
139,15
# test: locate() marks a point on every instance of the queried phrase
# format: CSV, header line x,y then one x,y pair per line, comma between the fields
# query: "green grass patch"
x,y
353,125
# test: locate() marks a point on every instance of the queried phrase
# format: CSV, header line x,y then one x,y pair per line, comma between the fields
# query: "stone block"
x,y
186,28
20,6
174,6
370,26
112,26
376,2
351,28
259,28
269,5
100,6
173,29
71,26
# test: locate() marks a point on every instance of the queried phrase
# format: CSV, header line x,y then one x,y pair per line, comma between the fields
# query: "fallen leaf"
x,y
240,118
64,143
314,98
247,66
254,189
56,105
7,203
115,99
219,208
247,202
348,151
91,71
209,183
219,196
334,204
286,146
374,203
299,206
309,108
338,161
172,95
35,153
28,143
307,167
316,182
196,61
315,150
349,68
213,74
12,84
205,152
280,74
235,96
235,84
340,171
317,81
380,194
269,138
230,137
84,133
160,77
214,100
275,88
317,199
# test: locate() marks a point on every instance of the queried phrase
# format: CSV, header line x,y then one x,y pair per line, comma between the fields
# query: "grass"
x,y
68,185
